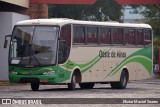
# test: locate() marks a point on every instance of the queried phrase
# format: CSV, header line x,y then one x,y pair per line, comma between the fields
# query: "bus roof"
x,y
63,21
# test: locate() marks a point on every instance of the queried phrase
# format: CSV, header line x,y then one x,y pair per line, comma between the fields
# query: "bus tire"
x,y
72,85
86,85
35,86
122,83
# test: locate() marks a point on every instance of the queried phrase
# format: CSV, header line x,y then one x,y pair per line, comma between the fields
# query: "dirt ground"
x,y
136,89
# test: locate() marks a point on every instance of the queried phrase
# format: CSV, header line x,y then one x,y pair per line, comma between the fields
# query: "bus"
x,y
66,51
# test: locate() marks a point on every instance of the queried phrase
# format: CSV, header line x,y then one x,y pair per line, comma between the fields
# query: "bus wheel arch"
x,y
75,78
127,72
79,75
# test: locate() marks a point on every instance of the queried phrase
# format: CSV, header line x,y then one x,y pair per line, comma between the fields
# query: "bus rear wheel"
x,y
86,85
122,83
35,86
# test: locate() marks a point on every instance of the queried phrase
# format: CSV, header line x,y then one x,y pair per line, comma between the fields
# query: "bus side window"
x,y
139,37
117,36
78,35
92,35
105,36
147,37
129,36
64,44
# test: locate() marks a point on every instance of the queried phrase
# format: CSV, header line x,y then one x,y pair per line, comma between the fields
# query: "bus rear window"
x,y
147,36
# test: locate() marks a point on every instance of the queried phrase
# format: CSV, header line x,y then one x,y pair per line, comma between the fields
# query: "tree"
x,y
151,14
103,10
156,44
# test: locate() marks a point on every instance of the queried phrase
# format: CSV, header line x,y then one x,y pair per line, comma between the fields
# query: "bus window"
x,y
139,37
147,37
117,35
105,36
129,36
92,35
64,44
78,35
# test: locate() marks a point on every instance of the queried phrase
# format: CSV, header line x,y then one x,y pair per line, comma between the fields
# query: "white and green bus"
x,y
66,51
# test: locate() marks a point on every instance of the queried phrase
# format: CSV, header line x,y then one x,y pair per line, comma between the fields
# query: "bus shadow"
x,y
94,89
55,89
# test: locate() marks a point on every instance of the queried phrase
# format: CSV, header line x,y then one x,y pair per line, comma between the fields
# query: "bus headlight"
x,y
12,72
49,73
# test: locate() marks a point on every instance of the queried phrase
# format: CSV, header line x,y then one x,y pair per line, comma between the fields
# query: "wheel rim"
x,y
74,80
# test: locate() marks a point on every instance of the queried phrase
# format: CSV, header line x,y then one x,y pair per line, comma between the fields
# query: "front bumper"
x,y
44,79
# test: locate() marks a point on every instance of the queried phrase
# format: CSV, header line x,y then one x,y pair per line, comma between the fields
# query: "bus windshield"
x,y
34,46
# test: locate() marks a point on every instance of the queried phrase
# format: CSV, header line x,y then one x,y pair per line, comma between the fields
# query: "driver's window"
x,y
64,44
14,48
19,47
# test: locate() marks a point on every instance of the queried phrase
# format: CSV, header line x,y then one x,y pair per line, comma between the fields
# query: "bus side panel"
x,y
104,64
138,65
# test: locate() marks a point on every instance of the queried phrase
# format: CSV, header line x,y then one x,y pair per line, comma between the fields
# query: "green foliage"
x,y
103,10
156,44
155,58
152,17
151,14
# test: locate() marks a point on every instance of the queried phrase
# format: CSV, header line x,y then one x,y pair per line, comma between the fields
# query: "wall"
x,y
132,16
7,22
38,11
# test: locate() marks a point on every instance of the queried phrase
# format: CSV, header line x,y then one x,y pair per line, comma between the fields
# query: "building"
x,y
130,15
12,11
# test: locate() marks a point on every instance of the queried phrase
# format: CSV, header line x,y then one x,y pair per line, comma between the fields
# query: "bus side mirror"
x,y
6,41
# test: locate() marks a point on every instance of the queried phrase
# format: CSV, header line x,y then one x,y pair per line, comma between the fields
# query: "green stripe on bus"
x,y
83,67
143,56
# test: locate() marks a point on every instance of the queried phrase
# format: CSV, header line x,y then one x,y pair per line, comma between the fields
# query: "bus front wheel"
x,y
122,83
72,85
35,86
